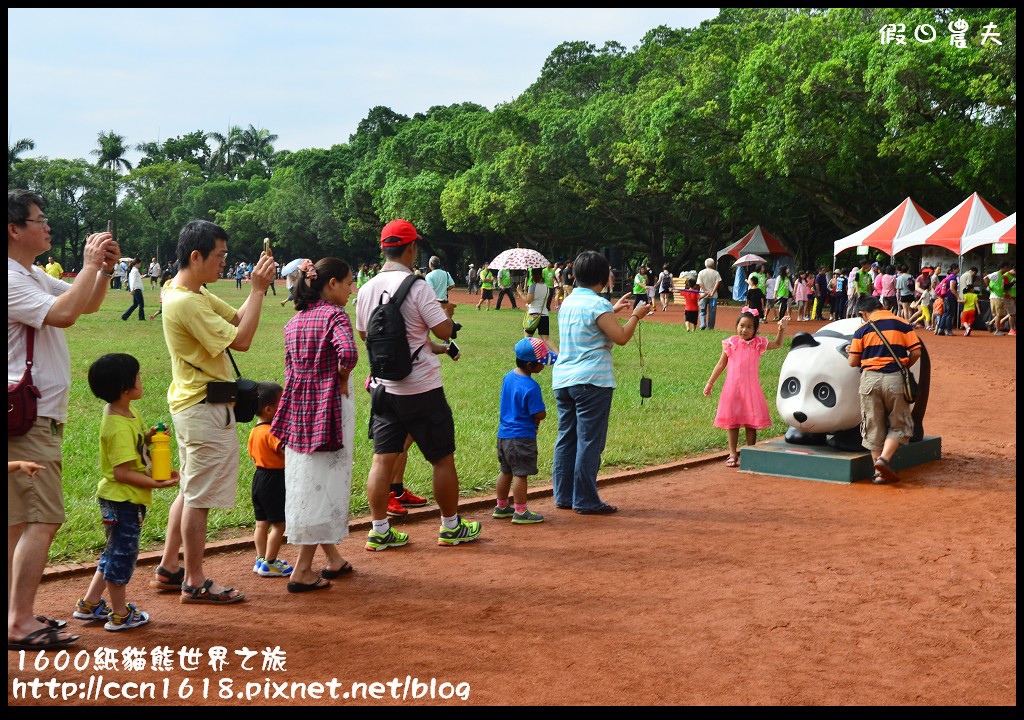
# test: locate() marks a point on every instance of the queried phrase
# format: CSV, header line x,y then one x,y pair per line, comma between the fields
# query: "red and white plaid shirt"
x,y
317,342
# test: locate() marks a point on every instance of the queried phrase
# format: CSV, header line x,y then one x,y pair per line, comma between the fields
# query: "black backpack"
x,y
387,346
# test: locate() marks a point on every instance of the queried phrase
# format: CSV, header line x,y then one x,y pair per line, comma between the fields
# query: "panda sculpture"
x,y
818,394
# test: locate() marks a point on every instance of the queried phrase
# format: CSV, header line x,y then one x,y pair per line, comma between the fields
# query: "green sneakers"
x,y
392,538
527,517
503,513
461,533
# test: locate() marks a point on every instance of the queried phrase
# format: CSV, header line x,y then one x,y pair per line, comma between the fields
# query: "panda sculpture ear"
x,y
802,339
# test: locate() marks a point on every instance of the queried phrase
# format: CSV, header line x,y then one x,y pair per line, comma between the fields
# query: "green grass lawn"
x,y
676,422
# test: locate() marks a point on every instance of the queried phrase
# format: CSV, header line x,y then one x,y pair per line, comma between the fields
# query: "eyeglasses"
x,y
42,221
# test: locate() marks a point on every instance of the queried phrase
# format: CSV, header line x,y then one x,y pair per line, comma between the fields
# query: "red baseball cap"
x,y
397,233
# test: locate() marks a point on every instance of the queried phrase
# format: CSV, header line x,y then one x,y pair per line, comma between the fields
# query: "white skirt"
x,y
318,488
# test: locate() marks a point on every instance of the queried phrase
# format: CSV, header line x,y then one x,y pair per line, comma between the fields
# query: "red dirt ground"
x,y
709,587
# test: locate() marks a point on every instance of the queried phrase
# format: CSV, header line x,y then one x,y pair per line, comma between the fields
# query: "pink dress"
x,y
742,403
800,291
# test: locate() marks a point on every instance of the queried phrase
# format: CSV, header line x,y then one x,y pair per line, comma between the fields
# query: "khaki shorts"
x,y
998,306
39,499
884,413
208,452
1010,305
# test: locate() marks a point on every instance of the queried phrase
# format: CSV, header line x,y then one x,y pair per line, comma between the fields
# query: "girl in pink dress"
x,y
800,296
742,403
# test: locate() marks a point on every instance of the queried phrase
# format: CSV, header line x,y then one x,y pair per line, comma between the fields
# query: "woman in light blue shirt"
x,y
583,382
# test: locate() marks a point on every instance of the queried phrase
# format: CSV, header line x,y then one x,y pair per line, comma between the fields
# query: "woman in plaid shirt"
x,y
316,420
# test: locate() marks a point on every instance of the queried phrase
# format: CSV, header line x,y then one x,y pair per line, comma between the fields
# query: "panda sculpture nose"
x,y
800,417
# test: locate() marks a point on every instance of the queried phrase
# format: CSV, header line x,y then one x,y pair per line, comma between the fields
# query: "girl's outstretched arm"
x,y
777,342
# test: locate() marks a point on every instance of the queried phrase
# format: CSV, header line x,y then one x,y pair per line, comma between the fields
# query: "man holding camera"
x,y
199,328
416,405
40,306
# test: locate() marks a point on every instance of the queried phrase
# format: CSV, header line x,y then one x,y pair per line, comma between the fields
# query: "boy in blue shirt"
x,y
521,411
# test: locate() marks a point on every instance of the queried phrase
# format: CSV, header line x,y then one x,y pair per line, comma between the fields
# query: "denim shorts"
x,y
122,522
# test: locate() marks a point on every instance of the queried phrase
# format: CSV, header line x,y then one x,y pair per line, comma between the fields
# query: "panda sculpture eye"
x,y
824,394
790,387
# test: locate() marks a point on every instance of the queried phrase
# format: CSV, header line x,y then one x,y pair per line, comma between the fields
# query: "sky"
x,y
308,76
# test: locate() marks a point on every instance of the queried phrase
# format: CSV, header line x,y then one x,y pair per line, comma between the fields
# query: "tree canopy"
x,y
805,121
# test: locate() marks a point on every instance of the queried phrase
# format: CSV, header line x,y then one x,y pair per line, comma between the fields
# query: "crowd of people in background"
x,y
935,297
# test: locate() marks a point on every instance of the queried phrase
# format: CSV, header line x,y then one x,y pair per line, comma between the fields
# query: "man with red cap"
x,y
416,405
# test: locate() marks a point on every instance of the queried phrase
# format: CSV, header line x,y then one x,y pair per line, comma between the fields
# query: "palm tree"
x,y
258,144
23,145
152,152
111,152
229,153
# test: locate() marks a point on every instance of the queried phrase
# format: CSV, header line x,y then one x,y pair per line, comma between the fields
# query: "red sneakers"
x,y
395,508
407,499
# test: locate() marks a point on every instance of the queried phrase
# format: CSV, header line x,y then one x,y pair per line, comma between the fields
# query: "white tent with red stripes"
x,y
902,220
972,215
757,242
1004,231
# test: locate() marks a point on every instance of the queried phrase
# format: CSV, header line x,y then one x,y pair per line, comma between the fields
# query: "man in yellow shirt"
x,y
53,268
199,328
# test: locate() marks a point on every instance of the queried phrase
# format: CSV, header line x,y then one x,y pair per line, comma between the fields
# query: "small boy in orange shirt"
x,y
267,453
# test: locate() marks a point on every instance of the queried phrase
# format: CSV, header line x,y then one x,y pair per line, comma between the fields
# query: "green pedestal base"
x,y
814,462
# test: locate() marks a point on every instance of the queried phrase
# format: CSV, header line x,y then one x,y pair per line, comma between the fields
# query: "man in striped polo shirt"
x,y
886,419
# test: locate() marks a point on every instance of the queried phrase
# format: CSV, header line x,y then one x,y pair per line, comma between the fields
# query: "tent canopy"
x,y
757,242
972,215
1004,231
902,220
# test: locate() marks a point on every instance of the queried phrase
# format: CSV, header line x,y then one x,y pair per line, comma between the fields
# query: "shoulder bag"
x,y
242,392
909,381
22,398
531,321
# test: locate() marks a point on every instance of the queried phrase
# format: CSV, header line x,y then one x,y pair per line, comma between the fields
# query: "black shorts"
x,y
544,328
486,294
906,298
268,494
690,316
426,417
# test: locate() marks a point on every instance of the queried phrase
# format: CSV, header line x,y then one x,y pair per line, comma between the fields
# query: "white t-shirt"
x,y
708,278
135,279
421,311
30,295
540,298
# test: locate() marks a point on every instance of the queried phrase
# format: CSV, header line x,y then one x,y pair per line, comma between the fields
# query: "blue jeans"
x,y
708,310
122,522
582,431
138,301
945,322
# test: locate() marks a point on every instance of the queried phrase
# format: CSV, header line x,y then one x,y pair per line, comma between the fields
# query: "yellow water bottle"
x,y
160,452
